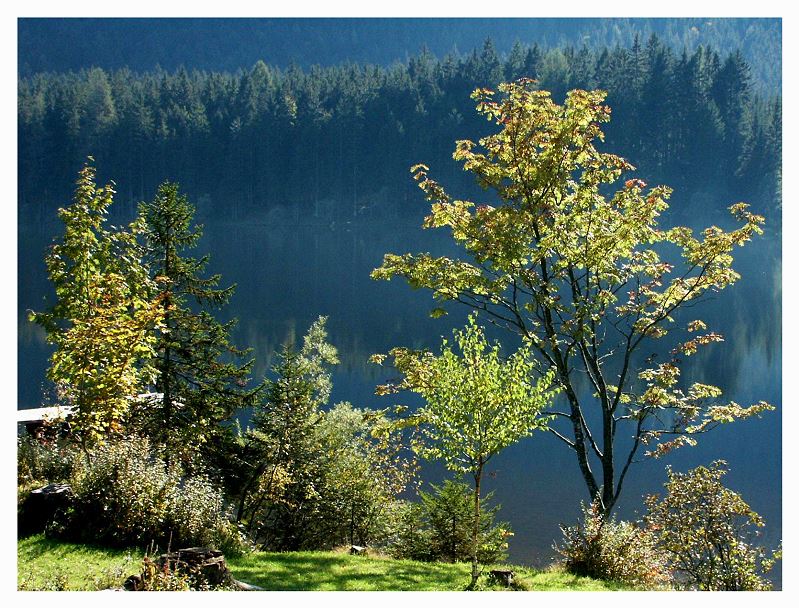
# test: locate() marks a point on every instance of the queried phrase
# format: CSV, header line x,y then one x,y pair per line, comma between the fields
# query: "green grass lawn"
x,y
45,564
333,571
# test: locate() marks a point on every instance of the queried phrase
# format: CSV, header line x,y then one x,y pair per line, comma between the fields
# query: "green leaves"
x,y
318,477
555,232
107,311
477,402
568,256
448,278
706,530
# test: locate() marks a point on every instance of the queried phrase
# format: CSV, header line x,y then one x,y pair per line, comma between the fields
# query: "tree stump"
x,y
505,577
205,565
133,583
206,568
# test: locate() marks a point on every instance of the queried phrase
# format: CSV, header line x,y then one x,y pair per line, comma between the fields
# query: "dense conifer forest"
x,y
334,143
228,44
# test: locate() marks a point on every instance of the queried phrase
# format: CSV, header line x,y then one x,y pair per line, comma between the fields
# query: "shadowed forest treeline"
x,y
335,143
60,45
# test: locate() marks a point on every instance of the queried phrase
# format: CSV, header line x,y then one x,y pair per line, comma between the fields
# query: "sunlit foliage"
x,y
476,404
103,322
707,532
573,258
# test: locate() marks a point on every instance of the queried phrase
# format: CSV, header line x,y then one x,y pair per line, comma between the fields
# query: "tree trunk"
x,y
166,377
352,523
476,524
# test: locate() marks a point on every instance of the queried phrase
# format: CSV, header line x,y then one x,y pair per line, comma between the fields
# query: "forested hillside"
x,y
335,143
227,44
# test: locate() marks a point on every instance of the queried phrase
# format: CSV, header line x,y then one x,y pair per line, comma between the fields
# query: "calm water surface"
x,y
288,275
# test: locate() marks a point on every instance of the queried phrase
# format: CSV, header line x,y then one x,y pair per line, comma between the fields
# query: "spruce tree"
x,y
283,467
532,62
202,376
514,66
732,94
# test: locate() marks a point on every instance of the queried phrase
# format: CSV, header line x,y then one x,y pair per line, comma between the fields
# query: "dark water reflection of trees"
x,y
288,275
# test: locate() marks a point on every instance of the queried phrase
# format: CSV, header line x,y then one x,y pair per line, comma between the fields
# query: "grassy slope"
x,y
48,564
44,564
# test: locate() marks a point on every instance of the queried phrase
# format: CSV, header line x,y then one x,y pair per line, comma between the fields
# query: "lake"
x,y
288,275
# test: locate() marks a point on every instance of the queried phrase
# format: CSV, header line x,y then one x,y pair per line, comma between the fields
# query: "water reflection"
x,y
289,275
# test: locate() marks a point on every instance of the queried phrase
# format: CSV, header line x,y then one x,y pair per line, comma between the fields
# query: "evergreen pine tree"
x,y
514,66
489,66
654,111
732,93
281,456
200,373
775,147
532,62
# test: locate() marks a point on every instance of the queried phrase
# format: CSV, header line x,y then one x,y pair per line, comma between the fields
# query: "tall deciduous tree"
x,y
200,373
580,274
103,322
476,404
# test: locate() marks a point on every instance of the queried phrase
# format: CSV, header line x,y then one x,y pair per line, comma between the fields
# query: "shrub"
x,y
450,511
129,496
330,481
412,537
364,469
706,531
199,517
440,527
164,578
41,460
44,461
606,549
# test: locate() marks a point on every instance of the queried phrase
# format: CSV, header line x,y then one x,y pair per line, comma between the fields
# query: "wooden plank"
x,y
41,413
